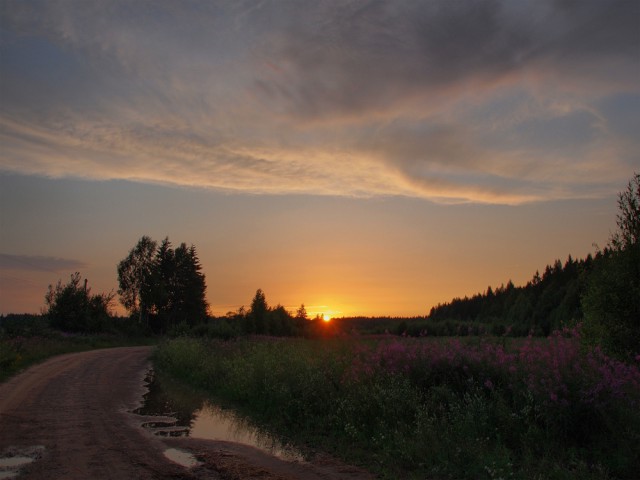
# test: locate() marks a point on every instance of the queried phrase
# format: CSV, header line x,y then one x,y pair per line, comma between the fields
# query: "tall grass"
x,y
19,352
415,408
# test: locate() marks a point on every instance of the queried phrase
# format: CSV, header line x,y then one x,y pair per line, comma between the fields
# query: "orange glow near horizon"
x,y
400,271
427,185
322,311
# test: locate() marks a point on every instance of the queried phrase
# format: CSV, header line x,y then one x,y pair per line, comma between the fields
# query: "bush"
x,y
216,328
612,303
24,325
72,308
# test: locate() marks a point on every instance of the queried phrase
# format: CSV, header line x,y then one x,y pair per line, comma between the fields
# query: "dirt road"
x,y
72,415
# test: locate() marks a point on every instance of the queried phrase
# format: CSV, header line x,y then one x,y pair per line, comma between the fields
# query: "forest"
x,y
600,293
545,303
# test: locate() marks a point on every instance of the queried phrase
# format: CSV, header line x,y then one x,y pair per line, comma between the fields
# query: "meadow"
x,y
474,408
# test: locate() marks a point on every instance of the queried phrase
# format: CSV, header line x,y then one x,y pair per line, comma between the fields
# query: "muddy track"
x,y
72,415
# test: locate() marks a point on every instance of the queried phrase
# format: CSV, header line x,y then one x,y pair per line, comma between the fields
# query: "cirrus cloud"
x,y
494,101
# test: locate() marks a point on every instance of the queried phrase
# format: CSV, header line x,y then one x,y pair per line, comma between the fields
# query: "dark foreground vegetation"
x,y
432,408
29,339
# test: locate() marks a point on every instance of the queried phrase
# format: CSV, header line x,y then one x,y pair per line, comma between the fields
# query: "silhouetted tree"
x,y
628,218
612,300
135,278
188,287
279,322
264,320
71,307
302,312
258,312
163,284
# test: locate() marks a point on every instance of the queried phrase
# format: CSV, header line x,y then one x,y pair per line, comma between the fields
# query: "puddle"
x,y
181,414
214,423
15,458
10,467
15,461
181,457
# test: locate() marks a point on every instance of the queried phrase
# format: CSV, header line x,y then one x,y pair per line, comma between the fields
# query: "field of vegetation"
x,y
434,408
29,339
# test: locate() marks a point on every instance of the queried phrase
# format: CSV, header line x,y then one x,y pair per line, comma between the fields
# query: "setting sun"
x,y
371,229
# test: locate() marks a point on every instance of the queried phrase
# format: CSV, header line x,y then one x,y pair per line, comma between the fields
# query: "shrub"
x,y
72,308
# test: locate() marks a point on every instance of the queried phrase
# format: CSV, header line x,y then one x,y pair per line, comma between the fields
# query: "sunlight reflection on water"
x,y
179,413
214,423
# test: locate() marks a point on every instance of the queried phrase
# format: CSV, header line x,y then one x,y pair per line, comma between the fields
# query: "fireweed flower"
x,y
555,371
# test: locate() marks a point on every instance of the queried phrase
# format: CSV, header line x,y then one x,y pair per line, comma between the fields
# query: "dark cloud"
x,y
326,57
594,28
364,55
38,263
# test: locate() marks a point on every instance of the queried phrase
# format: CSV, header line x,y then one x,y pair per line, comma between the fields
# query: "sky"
x,y
360,157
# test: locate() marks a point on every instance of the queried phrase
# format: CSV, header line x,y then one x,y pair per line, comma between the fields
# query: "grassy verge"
x,y
409,408
18,352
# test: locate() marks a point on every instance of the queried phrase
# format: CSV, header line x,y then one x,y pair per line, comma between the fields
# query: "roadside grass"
x,y
417,408
18,352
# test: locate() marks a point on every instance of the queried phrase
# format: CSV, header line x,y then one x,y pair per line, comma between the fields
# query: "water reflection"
x,y
181,412
9,467
214,423
167,399
13,459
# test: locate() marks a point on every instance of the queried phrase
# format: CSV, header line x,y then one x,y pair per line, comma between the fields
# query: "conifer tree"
x,y
259,311
163,282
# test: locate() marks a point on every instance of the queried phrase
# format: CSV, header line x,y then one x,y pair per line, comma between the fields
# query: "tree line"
x,y
263,319
164,289
602,292
539,307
